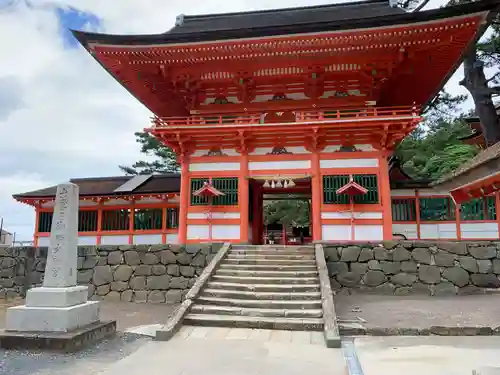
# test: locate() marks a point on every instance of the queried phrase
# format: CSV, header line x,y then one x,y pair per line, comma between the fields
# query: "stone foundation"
x,y
404,267
131,273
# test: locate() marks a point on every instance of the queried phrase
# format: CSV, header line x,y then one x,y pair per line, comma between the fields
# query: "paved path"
x,y
432,355
234,351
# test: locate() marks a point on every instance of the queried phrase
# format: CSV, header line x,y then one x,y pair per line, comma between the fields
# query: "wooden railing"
x,y
303,116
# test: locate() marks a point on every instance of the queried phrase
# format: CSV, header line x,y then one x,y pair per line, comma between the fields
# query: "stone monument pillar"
x,y
59,306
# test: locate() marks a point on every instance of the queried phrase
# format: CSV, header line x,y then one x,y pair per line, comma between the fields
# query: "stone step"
x,y
273,247
264,273
272,262
265,280
268,267
284,257
252,311
274,304
279,288
272,251
290,324
240,294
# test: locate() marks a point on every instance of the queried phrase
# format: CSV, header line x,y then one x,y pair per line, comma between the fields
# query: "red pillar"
x,y
37,220
244,201
184,201
385,197
256,216
316,196
498,211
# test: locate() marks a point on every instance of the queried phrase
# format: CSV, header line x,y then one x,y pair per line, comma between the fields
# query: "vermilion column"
x,y
37,220
498,211
184,201
385,196
256,214
244,201
316,196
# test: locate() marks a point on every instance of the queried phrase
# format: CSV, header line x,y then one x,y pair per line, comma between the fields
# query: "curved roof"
x,y
345,16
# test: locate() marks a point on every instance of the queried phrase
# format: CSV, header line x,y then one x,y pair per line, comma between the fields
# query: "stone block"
x,y
400,254
444,259
56,297
457,276
350,253
51,319
150,258
90,262
336,268
173,269
123,273
138,283
158,282
404,279
156,296
127,295
483,252
409,266
468,263
102,275
458,248
402,291
115,257
421,255
485,280
484,266
365,255
496,266
349,279
184,258
159,269
119,286
390,268
374,265
140,296
167,257
84,276
143,270
385,288
102,290
113,296
79,263
381,253
199,260
132,258
179,283
173,296
331,253
187,271
445,289
374,278
429,274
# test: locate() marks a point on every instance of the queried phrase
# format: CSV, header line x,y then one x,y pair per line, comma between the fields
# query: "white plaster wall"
x,y
336,232
403,193
172,238
114,240
215,215
114,202
479,230
226,232
286,164
147,239
408,230
348,215
88,240
360,147
195,232
43,241
438,231
348,163
202,167
368,233
267,150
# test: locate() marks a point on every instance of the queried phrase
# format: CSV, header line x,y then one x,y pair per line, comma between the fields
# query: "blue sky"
x,y
61,114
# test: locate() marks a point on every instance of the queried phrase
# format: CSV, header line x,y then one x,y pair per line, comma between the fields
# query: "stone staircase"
x,y
269,287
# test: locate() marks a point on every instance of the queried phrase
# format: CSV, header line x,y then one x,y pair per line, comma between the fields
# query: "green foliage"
x,y
430,153
164,158
287,212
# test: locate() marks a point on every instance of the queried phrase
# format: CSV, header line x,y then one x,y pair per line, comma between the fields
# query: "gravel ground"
x,y
420,311
95,359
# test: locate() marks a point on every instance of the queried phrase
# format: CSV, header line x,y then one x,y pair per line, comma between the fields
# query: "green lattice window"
x,y
45,221
370,182
437,209
228,185
87,221
332,183
404,210
148,218
479,209
115,219
172,218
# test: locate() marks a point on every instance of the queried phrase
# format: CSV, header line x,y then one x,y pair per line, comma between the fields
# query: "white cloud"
x,y
61,114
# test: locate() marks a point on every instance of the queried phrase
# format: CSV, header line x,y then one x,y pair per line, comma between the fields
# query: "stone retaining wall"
x,y
405,267
132,273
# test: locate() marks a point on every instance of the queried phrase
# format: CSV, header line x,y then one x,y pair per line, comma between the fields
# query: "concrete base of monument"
x,y
51,319
61,341
56,297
